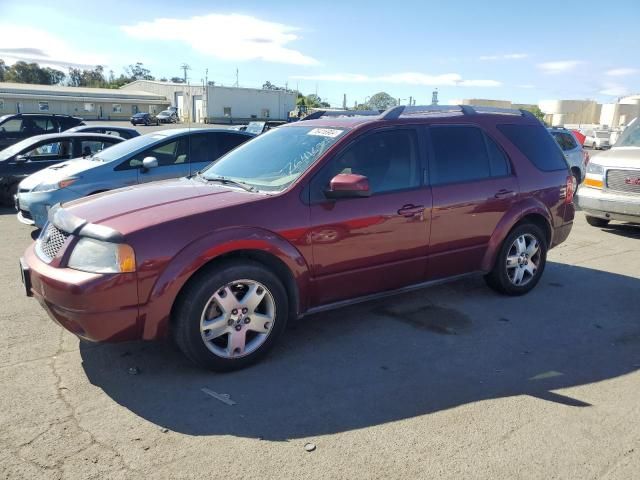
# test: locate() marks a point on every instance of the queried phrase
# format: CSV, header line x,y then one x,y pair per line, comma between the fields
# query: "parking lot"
x,y
451,382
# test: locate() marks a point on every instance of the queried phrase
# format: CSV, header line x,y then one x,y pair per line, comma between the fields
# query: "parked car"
x,y
168,116
147,158
35,153
611,189
597,139
577,157
223,259
124,132
19,126
144,119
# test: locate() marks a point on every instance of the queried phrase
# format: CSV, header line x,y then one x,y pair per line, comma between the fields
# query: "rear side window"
x,y
535,142
464,153
229,141
565,140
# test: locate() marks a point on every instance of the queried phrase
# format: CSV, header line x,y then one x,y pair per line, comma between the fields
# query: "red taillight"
x,y
569,189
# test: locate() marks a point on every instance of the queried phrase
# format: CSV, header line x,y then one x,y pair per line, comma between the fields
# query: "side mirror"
x,y
348,185
22,158
149,162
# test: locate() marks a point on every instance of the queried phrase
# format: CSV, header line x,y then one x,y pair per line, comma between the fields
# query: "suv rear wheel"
x,y
230,315
520,262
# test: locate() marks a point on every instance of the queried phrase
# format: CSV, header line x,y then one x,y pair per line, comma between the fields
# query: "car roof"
x,y
174,132
79,128
65,134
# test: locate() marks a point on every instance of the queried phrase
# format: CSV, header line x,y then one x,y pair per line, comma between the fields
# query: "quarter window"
x,y
535,142
565,140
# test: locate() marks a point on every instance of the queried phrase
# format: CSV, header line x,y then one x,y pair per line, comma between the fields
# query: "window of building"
x,y
389,160
537,145
43,106
116,108
265,113
227,111
89,107
134,109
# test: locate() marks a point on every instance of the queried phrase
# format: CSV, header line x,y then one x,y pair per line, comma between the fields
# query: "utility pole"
x,y
344,101
398,100
410,100
184,67
434,97
206,95
237,78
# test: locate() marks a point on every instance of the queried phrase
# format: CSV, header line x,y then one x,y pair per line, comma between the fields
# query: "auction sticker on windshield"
x,y
325,132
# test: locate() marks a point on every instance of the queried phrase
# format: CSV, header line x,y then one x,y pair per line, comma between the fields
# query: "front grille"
x,y
51,241
624,180
26,214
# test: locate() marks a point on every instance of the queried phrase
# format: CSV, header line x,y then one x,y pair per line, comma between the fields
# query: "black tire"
x,y
594,146
499,280
597,222
8,188
195,297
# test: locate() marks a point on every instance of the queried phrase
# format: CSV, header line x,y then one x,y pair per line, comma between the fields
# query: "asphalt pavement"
x,y
454,381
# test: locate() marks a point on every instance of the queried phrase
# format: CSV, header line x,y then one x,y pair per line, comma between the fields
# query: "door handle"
x,y
411,210
504,193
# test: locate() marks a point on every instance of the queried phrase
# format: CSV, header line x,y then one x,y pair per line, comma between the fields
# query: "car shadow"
x,y
624,230
392,359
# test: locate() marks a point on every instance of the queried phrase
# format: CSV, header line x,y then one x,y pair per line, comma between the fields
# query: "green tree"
x,y
138,72
23,72
539,114
177,79
3,69
381,101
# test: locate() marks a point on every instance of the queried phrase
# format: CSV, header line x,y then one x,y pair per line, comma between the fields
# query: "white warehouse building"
x,y
218,104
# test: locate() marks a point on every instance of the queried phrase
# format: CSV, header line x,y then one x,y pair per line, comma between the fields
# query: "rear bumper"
x,y
96,307
608,205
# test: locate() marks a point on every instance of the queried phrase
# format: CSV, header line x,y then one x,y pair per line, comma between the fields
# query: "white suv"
x,y
611,188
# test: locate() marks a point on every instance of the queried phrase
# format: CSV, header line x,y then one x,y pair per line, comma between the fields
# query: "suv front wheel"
x,y
230,315
520,262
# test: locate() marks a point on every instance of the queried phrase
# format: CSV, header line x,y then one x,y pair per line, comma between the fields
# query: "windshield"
x,y
165,112
17,147
274,160
602,134
120,150
631,135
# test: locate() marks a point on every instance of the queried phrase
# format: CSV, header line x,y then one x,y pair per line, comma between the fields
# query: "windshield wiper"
x,y
228,181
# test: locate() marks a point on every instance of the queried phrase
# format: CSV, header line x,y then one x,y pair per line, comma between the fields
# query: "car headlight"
x,y
50,186
595,176
595,169
96,256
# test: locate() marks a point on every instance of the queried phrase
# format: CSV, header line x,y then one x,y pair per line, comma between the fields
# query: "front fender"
x,y
157,307
528,206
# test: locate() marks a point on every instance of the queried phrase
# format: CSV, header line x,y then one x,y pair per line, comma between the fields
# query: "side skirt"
x,y
389,293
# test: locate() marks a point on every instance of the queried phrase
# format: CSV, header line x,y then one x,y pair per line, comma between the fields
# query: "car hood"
x,y
623,157
134,208
59,171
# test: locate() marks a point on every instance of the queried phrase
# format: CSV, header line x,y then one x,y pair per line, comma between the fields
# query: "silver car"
x,y
577,157
156,156
611,189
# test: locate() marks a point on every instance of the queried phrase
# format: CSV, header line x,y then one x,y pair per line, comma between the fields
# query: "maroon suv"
x,y
306,217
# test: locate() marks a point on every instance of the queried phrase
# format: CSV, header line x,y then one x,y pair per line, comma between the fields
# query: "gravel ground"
x,y
451,382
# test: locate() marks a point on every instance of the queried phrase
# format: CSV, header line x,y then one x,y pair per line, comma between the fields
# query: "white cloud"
x,y
507,56
526,85
23,43
621,72
614,90
406,78
562,66
226,36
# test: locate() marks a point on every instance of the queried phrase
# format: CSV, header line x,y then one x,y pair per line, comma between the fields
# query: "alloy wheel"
x,y
237,319
523,259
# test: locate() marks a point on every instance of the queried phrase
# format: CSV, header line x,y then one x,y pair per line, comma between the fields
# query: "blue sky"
x,y
519,51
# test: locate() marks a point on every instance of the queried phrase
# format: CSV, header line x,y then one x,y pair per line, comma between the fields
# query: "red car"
x,y
306,217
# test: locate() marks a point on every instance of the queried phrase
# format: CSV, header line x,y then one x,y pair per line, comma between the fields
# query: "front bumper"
x,y
96,307
33,207
609,205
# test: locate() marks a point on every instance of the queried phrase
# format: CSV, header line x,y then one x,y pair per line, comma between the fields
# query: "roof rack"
x,y
406,111
341,113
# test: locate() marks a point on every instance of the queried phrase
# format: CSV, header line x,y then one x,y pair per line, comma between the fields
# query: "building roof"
x,y
58,92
